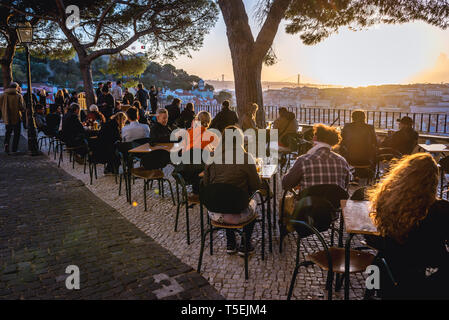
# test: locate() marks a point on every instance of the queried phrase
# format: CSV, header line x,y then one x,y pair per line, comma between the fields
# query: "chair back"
x,y
156,159
331,192
359,195
444,164
224,198
317,212
141,141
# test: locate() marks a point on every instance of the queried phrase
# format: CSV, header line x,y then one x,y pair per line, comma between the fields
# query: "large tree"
x,y
313,20
165,27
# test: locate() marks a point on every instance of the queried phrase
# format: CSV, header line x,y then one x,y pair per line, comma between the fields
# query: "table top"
x,y
146,148
434,147
356,217
268,170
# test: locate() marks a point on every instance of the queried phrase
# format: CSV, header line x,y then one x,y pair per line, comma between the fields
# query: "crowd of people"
x,y
411,220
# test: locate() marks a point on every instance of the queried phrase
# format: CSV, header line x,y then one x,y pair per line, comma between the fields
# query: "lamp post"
x,y
25,36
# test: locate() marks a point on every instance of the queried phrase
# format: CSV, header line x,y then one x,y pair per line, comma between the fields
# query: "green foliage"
x,y
315,20
131,83
127,66
222,96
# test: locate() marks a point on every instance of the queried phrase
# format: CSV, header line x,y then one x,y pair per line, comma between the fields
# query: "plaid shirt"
x,y
321,167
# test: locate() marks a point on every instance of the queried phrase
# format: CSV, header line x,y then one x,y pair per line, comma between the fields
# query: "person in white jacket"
x,y
117,92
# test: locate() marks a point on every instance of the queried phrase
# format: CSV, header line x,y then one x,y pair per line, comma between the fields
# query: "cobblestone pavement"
x,y
49,220
268,279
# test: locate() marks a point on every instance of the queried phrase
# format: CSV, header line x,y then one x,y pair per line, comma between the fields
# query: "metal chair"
x,y
216,198
151,170
312,216
444,169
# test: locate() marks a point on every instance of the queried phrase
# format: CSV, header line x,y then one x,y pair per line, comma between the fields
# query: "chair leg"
x,y
187,223
245,243
120,185
177,207
203,240
171,191
145,193
295,272
330,280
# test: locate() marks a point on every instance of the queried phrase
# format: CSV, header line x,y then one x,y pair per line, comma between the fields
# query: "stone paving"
x,y
268,279
50,220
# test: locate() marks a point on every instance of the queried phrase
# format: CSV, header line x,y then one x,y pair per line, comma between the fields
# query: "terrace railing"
x,y
428,123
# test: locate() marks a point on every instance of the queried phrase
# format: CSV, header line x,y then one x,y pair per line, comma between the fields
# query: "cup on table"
x,y
259,164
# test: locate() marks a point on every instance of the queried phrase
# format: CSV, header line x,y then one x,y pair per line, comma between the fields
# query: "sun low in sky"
x,y
383,54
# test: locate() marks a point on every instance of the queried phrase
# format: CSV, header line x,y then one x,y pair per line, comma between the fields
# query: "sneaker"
x,y
231,249
242,250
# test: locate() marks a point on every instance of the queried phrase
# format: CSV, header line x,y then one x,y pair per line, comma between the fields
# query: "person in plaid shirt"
x,y
320,165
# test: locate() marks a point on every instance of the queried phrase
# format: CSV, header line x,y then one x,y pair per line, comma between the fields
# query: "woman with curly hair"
x,y
414,226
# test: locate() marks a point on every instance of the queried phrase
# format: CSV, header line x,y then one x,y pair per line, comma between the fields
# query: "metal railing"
x,y
429,123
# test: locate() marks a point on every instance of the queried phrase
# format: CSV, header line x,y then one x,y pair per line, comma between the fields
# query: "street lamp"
x,y
25,36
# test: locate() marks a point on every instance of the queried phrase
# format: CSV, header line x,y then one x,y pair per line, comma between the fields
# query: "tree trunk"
x,y
247,80
6,73
86,72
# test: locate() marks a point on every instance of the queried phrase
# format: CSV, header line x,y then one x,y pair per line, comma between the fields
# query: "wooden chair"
x,y
314,215
216,198
444,169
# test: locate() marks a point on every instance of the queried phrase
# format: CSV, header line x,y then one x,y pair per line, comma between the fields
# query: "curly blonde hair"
x,y
402,199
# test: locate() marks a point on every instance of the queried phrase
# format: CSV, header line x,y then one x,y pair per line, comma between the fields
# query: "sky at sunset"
x,y
384,54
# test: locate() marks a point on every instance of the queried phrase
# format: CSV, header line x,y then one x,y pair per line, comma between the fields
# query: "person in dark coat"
x,y
142,96
404,140
128,97
142,118
106,103
73,133
174,111
226,117
186,117
159,131
109,134
53,120
153,99
98,92
359,144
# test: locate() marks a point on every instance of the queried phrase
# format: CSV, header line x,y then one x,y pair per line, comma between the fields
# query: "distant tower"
x,y
299,79
222,78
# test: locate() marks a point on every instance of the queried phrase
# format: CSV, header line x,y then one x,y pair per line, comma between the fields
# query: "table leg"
x,y
347,262
270,240
274,202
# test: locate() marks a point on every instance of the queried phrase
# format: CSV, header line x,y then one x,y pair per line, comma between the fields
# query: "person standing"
x,y
98,91
186,117
12,105
43,97
106,103
142,96
117,92
226,117
153,99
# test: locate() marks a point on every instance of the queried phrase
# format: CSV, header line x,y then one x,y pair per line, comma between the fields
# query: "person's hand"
x,y
201,174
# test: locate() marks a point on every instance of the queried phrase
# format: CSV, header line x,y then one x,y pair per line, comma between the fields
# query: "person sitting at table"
x,y
53,120
196,139
320,165
174,111
243,176
287,126
134,130
95,115
160,131
186,117
404,140
105,143
39,116
248,121
128,97
118,107
226,117
414,226
359,143
142,118
73,133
